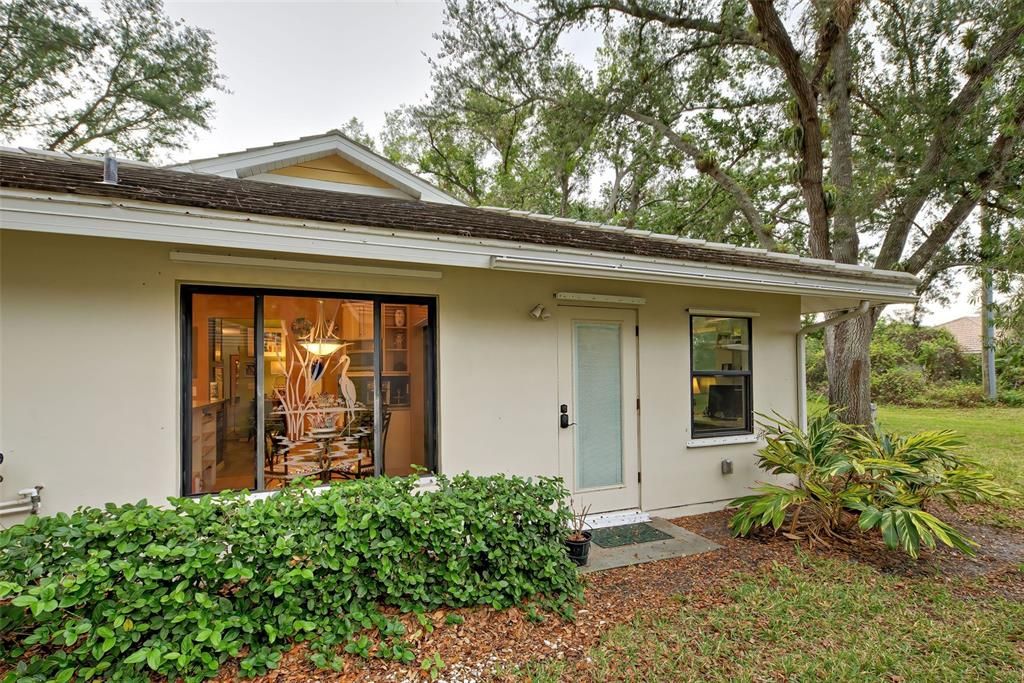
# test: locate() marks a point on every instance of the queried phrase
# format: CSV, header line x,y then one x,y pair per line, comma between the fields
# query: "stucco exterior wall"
x,y
90,378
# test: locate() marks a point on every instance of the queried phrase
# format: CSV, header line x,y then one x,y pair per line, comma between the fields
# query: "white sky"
x,y
301,68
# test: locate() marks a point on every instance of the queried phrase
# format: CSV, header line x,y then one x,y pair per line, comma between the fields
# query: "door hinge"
x,y
638,476
638,403
638,330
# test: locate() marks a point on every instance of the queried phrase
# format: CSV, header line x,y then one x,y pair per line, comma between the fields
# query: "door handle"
x,y
563,417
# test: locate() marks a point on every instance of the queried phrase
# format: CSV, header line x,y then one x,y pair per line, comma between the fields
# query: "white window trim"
x,y
722,440
732,438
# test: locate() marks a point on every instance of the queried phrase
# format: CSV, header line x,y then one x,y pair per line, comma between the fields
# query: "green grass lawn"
x,y
824,620
828,619
993,435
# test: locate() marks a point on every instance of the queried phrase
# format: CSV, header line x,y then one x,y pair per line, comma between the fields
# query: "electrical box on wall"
x,y
727,466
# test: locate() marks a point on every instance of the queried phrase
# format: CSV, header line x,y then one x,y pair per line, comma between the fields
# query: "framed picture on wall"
x,y
218,384
273,344
250,369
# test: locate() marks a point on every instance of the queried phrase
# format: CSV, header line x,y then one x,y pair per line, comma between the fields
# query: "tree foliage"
x,y
864,131
127,77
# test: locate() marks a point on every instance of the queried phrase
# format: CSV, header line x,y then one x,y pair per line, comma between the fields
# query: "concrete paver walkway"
x,y
682,543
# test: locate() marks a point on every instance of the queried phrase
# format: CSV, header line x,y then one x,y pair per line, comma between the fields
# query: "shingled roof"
x,y
65,174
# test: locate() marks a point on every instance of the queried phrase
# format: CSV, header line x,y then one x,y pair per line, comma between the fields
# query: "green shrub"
x,y
951,395
847,476
817,371
125,592
1010,364
932,350
900,386
888,354
1012,397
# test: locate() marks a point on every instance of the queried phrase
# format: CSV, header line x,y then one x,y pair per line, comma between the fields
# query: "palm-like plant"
x,y
846,476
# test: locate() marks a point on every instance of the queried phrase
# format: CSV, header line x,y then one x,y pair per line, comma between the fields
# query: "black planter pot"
x,y
579,551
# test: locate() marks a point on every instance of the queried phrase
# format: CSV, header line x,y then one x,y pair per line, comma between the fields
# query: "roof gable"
x,y
325,162
332,168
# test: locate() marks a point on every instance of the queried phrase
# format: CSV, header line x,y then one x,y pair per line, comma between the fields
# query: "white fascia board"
x,y
146,221
700,275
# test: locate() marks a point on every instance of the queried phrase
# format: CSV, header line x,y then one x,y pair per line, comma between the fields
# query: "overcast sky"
x,y
301,68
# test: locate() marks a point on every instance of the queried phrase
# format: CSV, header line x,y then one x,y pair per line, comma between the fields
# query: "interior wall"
x,y
91,380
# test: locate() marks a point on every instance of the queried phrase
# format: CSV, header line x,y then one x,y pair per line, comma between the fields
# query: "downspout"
x,y
801,354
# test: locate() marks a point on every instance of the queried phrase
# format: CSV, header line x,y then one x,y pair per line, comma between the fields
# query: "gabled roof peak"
x,y
361,171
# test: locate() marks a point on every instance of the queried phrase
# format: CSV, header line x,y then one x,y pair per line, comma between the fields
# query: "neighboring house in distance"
x,y
310,309
967,332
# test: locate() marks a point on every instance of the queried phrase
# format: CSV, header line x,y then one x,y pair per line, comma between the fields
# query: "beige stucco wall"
x,y
89,376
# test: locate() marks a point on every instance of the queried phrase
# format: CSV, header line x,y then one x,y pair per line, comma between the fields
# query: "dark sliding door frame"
x,y
259,294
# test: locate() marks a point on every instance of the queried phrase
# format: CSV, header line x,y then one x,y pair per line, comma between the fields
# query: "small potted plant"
x,y
578,540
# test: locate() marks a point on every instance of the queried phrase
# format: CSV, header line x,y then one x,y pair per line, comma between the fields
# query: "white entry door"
x,y
597,407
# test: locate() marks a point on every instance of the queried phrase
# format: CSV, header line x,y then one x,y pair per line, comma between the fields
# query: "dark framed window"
x,y
282,384
720,376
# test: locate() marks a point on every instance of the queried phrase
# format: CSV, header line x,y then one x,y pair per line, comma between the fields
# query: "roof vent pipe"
x,y
109,168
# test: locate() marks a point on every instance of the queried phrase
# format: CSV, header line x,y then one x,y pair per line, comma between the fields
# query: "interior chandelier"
x,y
321,340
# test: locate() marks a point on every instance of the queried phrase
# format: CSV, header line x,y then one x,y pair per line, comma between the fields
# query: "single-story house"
x,y
309,309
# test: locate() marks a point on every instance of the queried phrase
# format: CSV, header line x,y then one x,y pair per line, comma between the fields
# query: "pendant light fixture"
x,y
321,340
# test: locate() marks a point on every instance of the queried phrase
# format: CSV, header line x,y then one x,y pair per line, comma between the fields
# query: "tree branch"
x,y
779,44
711,169
938,149
837,25
1000,153
735,35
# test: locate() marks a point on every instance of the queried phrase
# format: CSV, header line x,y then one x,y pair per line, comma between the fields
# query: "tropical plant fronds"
x,y
848,479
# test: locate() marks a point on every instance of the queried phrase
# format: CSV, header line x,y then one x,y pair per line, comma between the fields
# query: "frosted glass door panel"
x,y
598,392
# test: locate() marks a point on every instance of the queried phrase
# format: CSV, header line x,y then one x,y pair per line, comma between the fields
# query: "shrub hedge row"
x,y
123,592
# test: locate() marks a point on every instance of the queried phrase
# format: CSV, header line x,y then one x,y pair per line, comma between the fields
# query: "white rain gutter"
x,y
801,354
127,219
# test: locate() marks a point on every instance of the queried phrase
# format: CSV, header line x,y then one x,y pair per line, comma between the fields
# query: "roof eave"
x,y
182,225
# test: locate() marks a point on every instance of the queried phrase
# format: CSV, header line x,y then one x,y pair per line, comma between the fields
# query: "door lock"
x,y
563,417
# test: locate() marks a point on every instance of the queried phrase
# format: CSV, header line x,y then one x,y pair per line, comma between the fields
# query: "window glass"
x,y
598,392
318,389
719,403
721,378
407,338
222,452
720,344
322,361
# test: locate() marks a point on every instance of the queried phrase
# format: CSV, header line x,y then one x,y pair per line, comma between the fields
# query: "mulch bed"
x,y
489,644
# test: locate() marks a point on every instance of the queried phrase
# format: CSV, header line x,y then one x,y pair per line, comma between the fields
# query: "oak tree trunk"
x,y
848,360
847,345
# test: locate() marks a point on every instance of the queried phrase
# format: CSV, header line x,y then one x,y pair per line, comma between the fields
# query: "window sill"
x,y
722,440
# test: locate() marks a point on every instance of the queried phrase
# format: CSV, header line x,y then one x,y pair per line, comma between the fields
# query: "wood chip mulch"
x,y
489,644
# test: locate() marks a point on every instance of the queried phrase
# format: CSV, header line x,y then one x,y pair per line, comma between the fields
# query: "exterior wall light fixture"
x,y
539,312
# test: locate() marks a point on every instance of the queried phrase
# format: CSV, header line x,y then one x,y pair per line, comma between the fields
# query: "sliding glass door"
x,y
285,385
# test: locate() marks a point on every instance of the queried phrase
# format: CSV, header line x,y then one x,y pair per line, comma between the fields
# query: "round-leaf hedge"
x,y
124,592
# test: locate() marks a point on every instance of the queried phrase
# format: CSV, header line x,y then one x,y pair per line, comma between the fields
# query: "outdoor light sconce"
x,y
539,312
